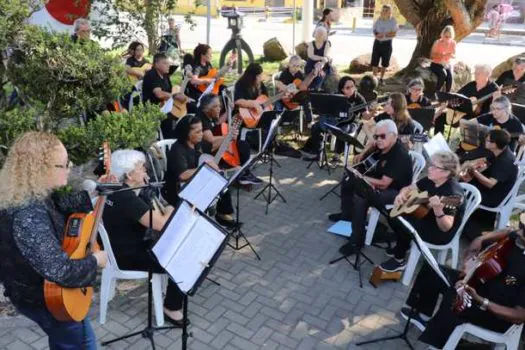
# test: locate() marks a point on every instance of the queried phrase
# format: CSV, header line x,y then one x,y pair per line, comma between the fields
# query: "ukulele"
x,y
213,73
416,204
80,239
469,166
302,85
180,108
483,267
251,117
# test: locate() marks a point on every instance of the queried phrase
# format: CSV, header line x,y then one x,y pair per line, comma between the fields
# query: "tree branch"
x,y
410,9
466,18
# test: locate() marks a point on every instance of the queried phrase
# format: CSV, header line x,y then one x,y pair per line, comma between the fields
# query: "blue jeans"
x,y
63,335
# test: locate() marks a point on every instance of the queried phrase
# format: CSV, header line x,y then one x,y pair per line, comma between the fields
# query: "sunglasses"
x,y
379,136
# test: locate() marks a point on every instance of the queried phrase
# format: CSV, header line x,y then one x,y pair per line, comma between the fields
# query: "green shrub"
x,y
15,122
122,130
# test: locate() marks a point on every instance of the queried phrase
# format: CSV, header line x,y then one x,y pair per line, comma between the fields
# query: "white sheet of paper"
x,y
207,91
167,106
425,251
187,246
436,144
203,188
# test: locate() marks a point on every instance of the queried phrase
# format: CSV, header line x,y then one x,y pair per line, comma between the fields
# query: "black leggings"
x,y
444,76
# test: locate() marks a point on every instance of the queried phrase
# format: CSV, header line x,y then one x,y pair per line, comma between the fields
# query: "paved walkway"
x,y
291,299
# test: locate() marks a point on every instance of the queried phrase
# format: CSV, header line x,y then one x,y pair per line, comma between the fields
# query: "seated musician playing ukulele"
x,y
392,172
415,97
136,59
126,218
346,87
494,177
183,161
208,113
497,304
516,75
440,224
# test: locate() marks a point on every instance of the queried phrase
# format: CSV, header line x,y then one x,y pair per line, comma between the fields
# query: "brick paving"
x,y
291,299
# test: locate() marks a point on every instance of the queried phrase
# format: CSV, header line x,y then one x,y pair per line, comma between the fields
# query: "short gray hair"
x,y
449,161
519,60
505,102
78,22
320,29
389,124
484,68
124,161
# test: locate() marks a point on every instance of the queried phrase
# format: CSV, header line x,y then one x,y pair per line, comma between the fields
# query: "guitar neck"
x,y
273,99
97,213
225,143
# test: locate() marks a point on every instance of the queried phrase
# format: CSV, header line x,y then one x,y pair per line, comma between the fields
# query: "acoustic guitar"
x,y
133,78
213,73
485,266
416,204
228,149
180,108
302,85
80,239
251,117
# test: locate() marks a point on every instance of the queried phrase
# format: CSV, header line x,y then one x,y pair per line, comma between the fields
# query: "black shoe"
x,y
349,248
335,217
230,224
390,252
176,323
415,319
249,179
311,159
393,265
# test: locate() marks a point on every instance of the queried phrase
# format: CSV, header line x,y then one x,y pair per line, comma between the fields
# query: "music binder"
x,y
189,245
203,187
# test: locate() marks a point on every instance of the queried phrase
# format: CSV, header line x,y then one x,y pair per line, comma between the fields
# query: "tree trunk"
x,y
150,24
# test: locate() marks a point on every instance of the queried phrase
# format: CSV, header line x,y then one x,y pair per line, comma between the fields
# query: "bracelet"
x,y
484,305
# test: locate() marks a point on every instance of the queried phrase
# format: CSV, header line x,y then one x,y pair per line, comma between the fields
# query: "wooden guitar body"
x,y
287,102
412,207
142,70
72,304
250,116
231,155
212,73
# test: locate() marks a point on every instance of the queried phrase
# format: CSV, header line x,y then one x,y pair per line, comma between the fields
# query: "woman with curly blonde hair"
x,y
32,221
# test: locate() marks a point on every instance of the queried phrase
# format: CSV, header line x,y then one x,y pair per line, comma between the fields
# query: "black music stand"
x,y
348,140
331,105
457,102
149,330
423,115
432,263
268,151
365,190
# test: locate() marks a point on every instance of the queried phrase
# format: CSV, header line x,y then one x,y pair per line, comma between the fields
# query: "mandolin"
x,y
80,239
416,204
251,117
218,75
485,266
302,85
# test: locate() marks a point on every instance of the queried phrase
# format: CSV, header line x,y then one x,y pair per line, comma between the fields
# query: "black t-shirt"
x,y
470,90
503,169
397,165
287,78
200,71
449,188
408,128
181,158
134,63
153,80
207,123
243,93
422,101
121,219
512,125
508,288
507,78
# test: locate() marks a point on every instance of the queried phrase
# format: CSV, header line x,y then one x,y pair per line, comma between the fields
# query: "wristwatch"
x,y
484,305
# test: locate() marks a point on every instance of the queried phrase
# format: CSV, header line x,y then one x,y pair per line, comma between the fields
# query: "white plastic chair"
x,y
504,209
165,146
509,340
418,164
111,273
472,200
136,93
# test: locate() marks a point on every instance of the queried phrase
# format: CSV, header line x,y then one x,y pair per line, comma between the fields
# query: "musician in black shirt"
x,y
497,304
396,110
441,223
493,181
415,97
157,87
514,76
392,172
136,60
202,55
183,161
348,88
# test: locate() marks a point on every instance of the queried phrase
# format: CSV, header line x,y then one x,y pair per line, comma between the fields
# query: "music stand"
x,y
423,248
331,105
423,115
348,139
268,150
190,245
461,104
365,190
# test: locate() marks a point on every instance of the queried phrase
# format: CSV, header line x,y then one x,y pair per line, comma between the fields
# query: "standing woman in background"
x,y
32,220
442,52
326,20
385,29
318,51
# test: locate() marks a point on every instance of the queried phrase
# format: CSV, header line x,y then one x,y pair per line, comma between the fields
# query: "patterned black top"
x,y
30,249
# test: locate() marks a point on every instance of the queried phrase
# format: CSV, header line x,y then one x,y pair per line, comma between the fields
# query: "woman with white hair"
x,y
81,30
318,51
441,54
126,218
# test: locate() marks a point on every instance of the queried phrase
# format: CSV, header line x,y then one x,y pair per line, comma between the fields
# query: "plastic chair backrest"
x,y
472,201
164,146
275,77
107,245
418,128
418,164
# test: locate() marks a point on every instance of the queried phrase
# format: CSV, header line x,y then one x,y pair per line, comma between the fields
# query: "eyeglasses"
x,y
379,136
68,165
432,165
497,108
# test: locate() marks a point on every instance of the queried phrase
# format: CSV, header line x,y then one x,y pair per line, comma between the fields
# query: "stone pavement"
x,y
291,299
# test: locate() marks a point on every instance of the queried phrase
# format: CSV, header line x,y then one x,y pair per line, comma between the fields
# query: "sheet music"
x,y
203,187
187,246
423,248
167,106
436,144
207,91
